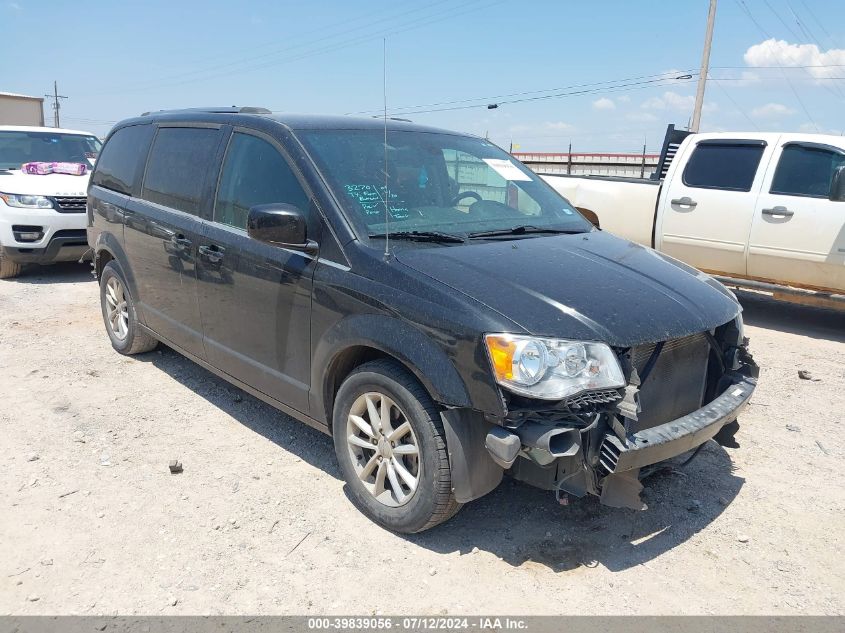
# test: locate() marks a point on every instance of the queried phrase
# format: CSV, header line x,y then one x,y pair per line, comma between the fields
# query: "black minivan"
x,y
419,295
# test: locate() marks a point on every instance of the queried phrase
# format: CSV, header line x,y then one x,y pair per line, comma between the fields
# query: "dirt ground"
x,y
92,521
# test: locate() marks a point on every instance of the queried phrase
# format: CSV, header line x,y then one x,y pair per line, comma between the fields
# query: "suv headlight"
x,y
552,369
25,201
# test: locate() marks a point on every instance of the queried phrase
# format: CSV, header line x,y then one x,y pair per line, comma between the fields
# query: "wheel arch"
x,y
362,338
108,248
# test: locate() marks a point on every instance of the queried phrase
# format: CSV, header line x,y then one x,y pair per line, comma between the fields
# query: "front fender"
x,y
391,336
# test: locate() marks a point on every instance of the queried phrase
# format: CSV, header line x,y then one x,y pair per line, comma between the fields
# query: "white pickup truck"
x,y
763,211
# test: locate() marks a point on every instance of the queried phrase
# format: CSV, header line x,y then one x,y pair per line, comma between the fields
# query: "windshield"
x,y
435,182
18,147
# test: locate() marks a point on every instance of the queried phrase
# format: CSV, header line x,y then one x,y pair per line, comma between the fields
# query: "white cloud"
x,y
641,117
772,111
774,52
671,100
604,104
810,128
14,6
559,126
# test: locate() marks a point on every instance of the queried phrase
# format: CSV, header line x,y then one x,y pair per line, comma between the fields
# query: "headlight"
x,y
26,201
552,369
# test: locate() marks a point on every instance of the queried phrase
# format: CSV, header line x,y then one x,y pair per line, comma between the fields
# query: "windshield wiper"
x,y
421,236
523,230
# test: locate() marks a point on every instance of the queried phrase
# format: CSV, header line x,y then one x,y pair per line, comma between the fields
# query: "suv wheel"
x,y
8,268
119,314
390,446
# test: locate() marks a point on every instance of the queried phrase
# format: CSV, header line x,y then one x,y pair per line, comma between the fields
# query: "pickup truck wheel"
x,y
391,448
119,314
8,268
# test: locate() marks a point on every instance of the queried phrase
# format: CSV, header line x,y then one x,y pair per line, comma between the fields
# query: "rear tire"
x,y
396,454
8,268
119,315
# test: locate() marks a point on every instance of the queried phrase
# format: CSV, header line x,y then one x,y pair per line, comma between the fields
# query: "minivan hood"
x,y
591,286
15,181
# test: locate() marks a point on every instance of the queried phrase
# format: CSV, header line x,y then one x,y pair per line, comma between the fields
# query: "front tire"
x,y
8,268
119,315
391,448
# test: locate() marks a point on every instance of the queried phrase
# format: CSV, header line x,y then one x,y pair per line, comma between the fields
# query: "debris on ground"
x,y
175,466
803,374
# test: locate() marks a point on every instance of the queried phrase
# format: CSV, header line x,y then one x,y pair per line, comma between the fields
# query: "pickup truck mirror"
x,y
837,185
280,225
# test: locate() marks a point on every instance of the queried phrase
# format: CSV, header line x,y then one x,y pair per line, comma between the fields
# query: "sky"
x,y
602,75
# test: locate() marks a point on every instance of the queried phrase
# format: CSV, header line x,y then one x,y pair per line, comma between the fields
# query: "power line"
x,y
216,71
486,100
731,99
309,42
782,21
624,87
834,89
819,23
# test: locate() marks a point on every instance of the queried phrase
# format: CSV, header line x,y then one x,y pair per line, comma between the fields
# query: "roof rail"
x,y
220,110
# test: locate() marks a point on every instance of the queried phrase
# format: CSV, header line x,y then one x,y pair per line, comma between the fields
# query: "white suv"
x,y
43,215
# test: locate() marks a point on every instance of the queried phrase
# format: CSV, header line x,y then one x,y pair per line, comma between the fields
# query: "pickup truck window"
x,y
719,165
178,163
435,183
254,173
805,171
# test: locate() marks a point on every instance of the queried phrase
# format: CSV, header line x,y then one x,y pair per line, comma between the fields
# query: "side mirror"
x,y
280,225
837,185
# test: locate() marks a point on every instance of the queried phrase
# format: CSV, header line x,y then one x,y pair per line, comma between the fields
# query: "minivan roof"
x,y
289,120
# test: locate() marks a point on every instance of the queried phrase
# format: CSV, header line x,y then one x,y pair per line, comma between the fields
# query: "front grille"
x,y
675,385
70,204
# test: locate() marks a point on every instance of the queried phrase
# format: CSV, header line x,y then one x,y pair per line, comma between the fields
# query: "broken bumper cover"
x,y
674,438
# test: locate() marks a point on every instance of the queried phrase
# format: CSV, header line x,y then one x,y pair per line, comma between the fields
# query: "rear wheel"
x,y
8,268
390,445
119,315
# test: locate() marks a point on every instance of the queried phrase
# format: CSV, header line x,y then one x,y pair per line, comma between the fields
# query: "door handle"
x,y
779,211
180,240
212,252
686,201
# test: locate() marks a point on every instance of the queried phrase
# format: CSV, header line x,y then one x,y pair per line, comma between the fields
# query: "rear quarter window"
x,y
179,163
120,162
729,166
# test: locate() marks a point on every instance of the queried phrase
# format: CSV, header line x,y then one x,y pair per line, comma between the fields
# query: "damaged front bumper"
x,y
674,438
622,458
604,457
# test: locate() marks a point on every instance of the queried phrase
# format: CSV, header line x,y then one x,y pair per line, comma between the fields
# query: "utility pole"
x,y
705,68
55,97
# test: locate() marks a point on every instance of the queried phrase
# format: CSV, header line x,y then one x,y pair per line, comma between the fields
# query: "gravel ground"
x,y
92,521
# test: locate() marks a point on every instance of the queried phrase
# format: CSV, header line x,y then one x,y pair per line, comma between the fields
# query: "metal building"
x,y
18,109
